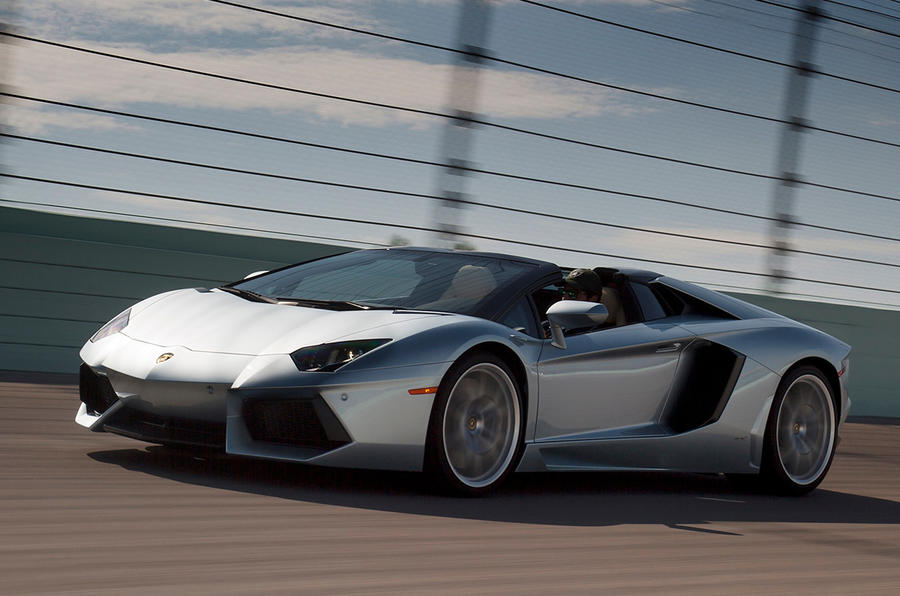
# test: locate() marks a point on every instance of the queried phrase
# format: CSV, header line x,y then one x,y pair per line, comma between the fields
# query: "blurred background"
x,y
753,147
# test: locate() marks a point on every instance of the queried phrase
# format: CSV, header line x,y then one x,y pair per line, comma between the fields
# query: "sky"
x,y
230,41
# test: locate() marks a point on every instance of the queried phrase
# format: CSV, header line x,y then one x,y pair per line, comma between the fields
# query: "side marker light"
x,y
423,391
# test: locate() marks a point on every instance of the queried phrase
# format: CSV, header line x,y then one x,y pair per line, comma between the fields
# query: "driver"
x,y
583,284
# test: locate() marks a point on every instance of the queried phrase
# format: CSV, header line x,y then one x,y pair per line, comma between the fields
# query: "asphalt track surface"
x,y
97,514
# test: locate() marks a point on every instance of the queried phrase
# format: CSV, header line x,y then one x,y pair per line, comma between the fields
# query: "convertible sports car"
x,y
470,366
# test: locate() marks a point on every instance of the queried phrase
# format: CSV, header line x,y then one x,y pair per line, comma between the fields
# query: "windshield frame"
x,y
491,306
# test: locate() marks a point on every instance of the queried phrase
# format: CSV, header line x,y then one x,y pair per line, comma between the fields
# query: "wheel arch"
x,y
831,376
512,360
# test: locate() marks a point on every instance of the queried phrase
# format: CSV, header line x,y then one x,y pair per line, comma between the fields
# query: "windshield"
x,y
401,278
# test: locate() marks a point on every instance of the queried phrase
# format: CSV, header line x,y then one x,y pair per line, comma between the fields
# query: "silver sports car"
x,y
469,366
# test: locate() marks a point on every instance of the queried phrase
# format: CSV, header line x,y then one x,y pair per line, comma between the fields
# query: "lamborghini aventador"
x,y
469,366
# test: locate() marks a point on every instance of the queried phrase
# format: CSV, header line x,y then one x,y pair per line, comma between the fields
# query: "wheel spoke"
x,y
795,461
492,410
483,386
476,464
455,445
788,410
804,462
467,390
488,435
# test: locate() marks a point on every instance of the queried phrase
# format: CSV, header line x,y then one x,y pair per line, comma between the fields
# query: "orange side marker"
x,y
423,391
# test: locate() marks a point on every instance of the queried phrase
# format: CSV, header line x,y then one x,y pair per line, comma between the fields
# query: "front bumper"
x,y
157,411
259,406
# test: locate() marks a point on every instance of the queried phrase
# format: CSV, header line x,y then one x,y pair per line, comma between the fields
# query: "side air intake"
x,y
707,373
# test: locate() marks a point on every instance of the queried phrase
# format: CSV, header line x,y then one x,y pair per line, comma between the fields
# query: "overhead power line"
x,y
477,170
430,196
555,247
832,18
425,195
802,294
70,293
422,112
242,228
596,189
104,211
37,345
576,220
860,8
45,318
499,60
882,6
833,30
107,269
109,212
702,283
408,160
702,45
427,162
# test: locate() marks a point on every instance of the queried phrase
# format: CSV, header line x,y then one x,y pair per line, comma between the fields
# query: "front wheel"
x,y
475,433
801,433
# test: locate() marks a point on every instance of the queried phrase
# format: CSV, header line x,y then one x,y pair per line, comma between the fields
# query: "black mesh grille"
x,y
304,422
154,428
95,391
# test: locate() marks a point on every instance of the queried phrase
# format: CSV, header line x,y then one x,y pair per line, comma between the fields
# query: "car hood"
x,y
214,321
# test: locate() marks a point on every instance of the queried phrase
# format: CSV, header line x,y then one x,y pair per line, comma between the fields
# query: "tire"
x,y
476,430
801,433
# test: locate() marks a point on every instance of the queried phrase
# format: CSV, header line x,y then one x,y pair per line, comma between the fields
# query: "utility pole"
x,y
788,159
458,133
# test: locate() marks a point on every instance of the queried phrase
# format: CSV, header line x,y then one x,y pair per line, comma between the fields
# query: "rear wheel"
x,y
801,433
476,429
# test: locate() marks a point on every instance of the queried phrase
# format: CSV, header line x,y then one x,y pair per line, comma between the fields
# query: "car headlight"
x,y
114,326
330,357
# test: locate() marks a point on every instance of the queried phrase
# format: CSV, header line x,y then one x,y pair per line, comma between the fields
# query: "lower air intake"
x,y
95,391
306,422
166,430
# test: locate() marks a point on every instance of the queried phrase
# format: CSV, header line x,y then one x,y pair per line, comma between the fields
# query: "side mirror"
x,y
572,314
255,273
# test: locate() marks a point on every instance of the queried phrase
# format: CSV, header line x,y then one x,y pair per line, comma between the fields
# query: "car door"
x,y
608,383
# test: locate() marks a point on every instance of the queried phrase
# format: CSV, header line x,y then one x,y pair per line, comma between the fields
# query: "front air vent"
x,y
166,430
304,422
95,391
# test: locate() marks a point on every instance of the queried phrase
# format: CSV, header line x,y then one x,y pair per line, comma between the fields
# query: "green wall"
x,y
874,336
62,277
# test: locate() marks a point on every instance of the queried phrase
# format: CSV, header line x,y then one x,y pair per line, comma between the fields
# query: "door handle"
x,y
668,348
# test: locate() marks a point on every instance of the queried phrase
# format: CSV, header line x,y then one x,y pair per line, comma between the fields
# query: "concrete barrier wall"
x,y
875,338
62,277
